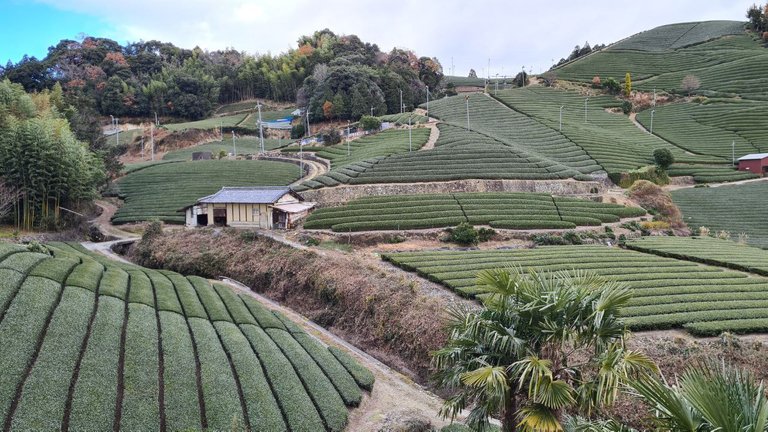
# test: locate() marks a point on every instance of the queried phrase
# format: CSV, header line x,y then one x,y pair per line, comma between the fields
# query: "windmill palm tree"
x,y
514,358
708,398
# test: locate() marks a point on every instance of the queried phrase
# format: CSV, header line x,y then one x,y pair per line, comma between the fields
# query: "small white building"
x,y
270,207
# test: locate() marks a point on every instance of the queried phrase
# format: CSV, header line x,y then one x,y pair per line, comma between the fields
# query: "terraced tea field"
x,y
727,61
88,345
378,145
157,192
707,250
668,293
709,173
210,123
402,119
712,128
243,145
609,138
514,129
499,210
734,208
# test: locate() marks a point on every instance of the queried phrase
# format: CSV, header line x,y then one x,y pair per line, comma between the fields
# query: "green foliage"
x,y
40,156
650,173
611,86
140,379
664,158
297,131
370,123
463,234
180,391
626,107
508,358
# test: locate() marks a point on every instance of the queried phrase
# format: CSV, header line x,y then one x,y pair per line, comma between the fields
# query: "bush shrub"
x,y
297,131
611,86
463,234
663,158
626,107
370,123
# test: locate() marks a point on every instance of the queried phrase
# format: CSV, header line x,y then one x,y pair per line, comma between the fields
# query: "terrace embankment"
x,y
384,311
330,196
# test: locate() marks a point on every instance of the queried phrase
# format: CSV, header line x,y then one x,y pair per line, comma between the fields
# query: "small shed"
x,y
756,163
269,207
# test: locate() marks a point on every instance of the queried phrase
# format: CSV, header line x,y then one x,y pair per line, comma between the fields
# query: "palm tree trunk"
x,y
509,420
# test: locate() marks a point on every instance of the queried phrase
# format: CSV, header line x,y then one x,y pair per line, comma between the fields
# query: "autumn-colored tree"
x,y
596,83
328,109
690,83
627,85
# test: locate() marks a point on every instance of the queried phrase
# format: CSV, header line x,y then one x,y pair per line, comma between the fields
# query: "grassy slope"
x,y
157,192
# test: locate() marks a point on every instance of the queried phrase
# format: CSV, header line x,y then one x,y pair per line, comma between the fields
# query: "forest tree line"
x,y
342,73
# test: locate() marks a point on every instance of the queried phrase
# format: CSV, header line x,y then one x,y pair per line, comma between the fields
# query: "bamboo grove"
x,y
41,158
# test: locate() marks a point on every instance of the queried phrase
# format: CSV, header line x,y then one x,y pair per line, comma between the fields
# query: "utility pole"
x,y
308,131
157,123
152,139
371,111
652,113
261,127
427,104
348,151
586,101
467,99
117,131
142,146
401,101
733,152
234,146
410,140
561,117
654,98
489,69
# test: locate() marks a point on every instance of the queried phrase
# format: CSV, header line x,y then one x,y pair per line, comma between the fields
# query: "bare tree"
x,y
690,83
9,195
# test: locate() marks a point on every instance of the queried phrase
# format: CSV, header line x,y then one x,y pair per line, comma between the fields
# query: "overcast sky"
x,y
512,34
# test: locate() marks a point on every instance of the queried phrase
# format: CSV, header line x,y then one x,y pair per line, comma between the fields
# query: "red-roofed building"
x,y
756,163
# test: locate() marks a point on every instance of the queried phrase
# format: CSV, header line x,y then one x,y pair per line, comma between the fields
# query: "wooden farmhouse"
x,y
756,163
269,207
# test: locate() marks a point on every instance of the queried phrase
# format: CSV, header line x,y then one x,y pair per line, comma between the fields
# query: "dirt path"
x,y
104,223
434,134
392,392
715,185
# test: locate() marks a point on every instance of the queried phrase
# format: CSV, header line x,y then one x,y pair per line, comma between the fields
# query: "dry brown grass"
x,y
655,199
384,316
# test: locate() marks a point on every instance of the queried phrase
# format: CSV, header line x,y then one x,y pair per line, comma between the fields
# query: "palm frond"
x,y
538,418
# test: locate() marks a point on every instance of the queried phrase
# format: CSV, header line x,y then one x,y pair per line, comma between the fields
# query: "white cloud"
x,y
511,33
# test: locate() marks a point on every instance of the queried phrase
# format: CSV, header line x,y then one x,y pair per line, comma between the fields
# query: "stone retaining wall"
x,y
333,196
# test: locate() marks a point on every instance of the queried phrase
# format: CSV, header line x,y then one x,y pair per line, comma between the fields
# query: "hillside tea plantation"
x,y
667,293
734,208
499,210
89,344
524,134
609,138
159,191
243,145
719,129
707,250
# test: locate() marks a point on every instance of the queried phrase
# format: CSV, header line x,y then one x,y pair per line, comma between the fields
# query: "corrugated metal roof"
x,y
294,207
754,156
246,195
